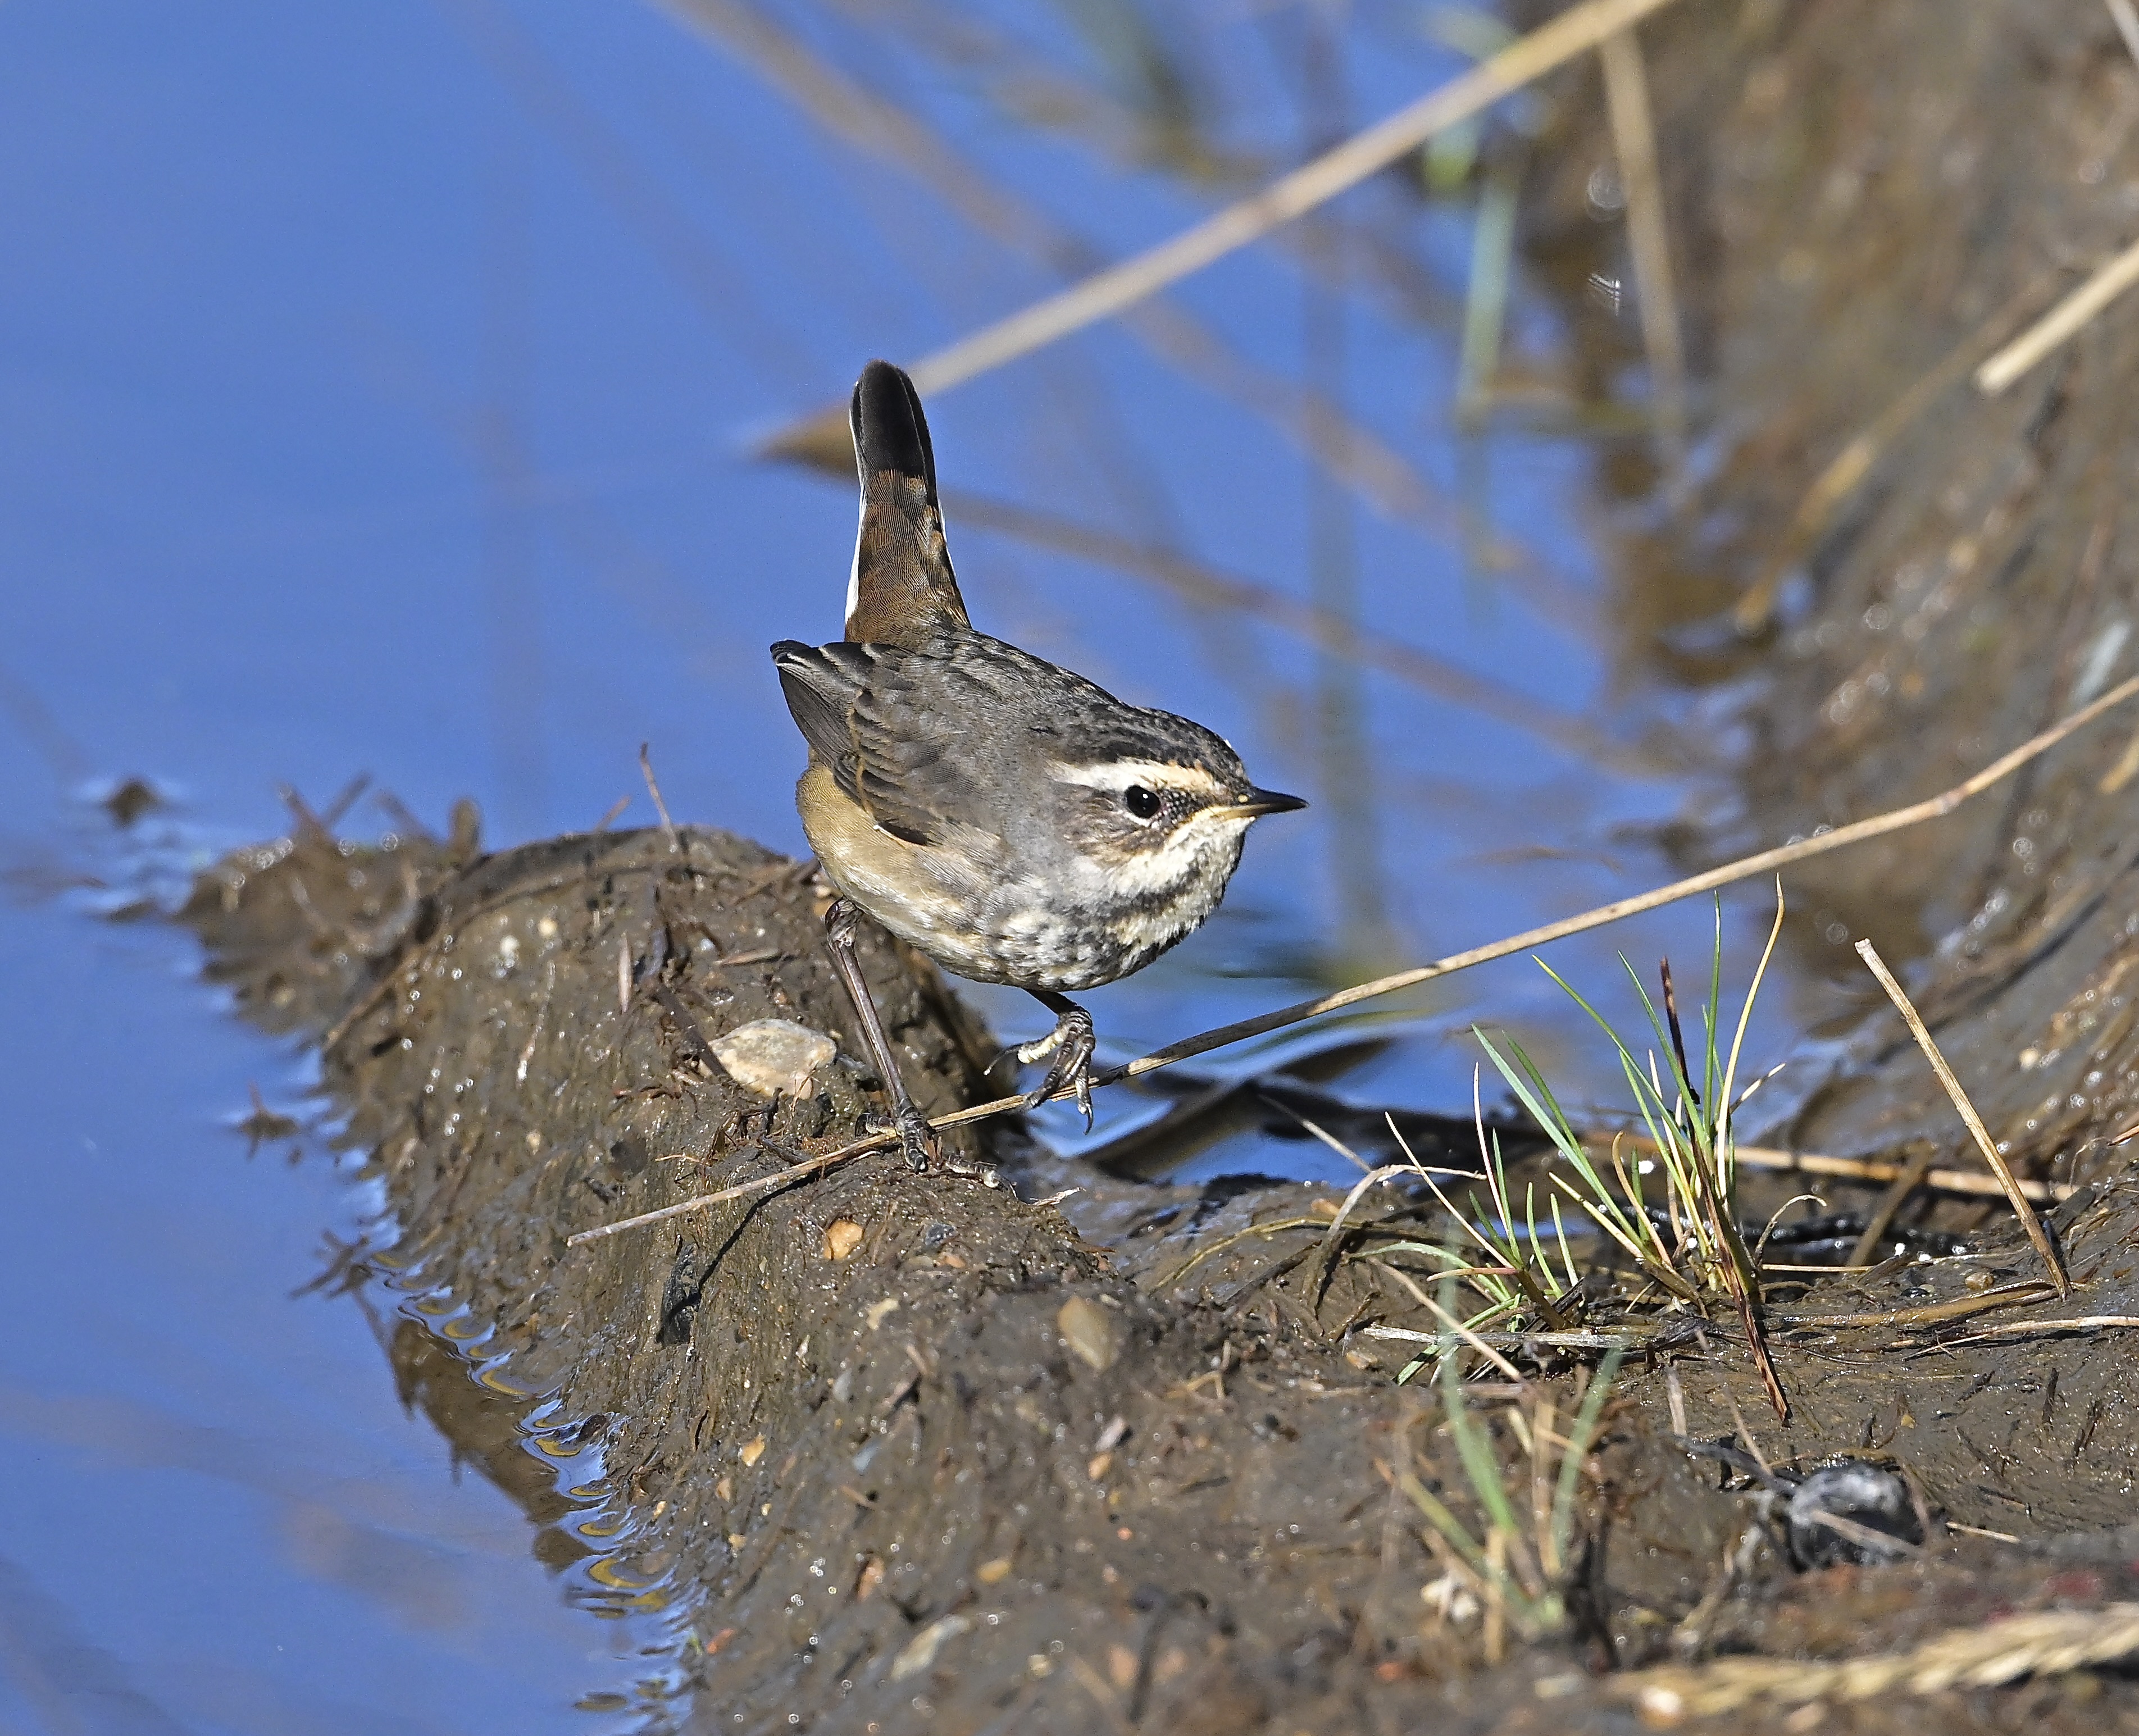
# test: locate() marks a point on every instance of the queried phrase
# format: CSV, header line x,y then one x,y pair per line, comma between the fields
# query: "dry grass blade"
x,y
2026,1328
1633,137
660,807
1981,1134
1108,292
1570,1341
2062,322
1234,1240
2043,1644
1931,1313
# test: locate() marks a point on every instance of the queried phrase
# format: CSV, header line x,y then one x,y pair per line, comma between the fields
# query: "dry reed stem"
x,y
1120,286
2062,322
1763,862
1326,629
1235,1240
1974,1122
741,1190
1568,1340
1634,139
2048,1643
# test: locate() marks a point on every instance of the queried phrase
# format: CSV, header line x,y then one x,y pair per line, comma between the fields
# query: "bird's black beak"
x,y
1260,802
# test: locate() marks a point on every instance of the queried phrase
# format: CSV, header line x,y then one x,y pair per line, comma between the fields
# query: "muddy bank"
x,y
921,1455
959,1453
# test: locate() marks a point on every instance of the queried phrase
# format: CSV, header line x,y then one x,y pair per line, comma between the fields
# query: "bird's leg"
x,y
1071,1043
916,1138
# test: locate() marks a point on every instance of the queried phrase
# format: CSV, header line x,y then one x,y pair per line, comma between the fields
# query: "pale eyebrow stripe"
x,y
1154,773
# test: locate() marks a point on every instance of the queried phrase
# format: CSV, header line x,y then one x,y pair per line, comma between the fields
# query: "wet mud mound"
x,y
920,1453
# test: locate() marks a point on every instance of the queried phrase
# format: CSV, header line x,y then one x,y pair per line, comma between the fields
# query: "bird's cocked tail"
x,y
903,591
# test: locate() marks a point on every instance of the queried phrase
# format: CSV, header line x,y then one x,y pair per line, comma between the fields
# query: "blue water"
x,y
377,392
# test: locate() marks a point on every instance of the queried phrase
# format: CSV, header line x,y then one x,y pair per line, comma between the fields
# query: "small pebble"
x,y
1873,1503
919,1653
1086,1329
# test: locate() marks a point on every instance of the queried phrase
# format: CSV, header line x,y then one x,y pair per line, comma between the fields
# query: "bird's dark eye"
x,y
1140,802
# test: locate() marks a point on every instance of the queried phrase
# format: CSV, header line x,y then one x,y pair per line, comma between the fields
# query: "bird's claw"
x,y
917,1139
1072,1044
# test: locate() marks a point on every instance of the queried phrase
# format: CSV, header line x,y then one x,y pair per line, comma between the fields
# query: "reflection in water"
x,y
63,1676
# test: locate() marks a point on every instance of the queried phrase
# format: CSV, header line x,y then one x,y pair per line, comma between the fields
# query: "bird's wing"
x,y
875,715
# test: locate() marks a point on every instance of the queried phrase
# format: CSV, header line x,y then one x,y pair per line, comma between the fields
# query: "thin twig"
x,y
1871,1169
1110,291
741,1190
1634,138
2063,321
1765,862
2021,1328
660,807
1981,1134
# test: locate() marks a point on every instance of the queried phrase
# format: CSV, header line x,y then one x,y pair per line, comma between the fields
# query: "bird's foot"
x,y
917,1139
1072,1044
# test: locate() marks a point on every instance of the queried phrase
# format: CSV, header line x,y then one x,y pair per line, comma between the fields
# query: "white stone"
x,y
771,1056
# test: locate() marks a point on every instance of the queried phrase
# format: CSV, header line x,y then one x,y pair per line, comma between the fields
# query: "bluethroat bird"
x,y
1016,823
